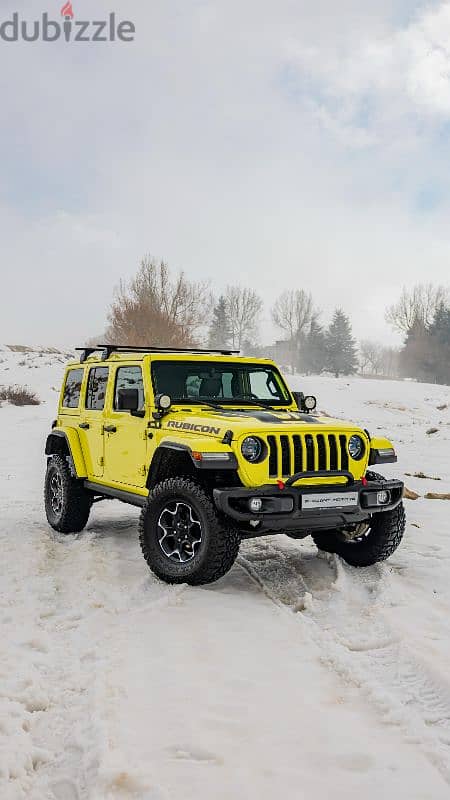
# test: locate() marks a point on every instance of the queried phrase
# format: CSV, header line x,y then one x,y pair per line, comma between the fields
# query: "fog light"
x,y
383,497
255,504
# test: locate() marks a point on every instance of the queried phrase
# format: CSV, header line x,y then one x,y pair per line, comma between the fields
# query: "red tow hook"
x,y
281,484
364,481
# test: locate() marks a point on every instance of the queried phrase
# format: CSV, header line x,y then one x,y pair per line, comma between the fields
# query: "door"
x,y
92,419
126,434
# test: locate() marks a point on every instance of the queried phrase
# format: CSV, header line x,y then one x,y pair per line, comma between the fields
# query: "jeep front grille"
x,y
308,452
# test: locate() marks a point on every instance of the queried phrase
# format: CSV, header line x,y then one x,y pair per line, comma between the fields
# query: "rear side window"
x,y
72,388
96,389
129,378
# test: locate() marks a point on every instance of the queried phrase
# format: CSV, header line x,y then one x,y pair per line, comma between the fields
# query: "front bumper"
x,y
292,507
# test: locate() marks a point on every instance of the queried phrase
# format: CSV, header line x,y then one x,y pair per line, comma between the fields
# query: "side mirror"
x,y
128,400
305,404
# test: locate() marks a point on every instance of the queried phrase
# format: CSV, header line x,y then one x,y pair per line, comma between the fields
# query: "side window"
x,y
129,378
72,388
96,389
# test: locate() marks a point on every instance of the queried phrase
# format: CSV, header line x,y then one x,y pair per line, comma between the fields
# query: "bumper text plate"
x,y
330,500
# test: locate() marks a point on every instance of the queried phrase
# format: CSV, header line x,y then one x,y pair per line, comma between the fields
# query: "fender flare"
x,y
382,451
158,454
195,465
69,437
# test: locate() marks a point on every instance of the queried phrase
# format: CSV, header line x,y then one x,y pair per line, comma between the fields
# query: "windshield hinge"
x,y
228,437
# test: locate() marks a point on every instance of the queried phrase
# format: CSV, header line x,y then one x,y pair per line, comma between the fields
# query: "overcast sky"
x,y
276,144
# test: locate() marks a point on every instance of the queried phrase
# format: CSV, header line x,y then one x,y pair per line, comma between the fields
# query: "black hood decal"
x,y
271,417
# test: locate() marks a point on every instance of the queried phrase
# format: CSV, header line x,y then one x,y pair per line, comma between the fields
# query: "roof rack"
x,y
107,349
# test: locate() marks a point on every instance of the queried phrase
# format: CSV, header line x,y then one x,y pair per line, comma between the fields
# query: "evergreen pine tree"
x,y
439,338
417,353
219,335
314,349
341,346
440,327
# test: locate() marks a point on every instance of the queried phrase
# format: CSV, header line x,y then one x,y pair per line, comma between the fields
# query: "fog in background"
x,y
275,145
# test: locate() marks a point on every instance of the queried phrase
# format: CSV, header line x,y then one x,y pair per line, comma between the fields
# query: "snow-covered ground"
x,y
295,676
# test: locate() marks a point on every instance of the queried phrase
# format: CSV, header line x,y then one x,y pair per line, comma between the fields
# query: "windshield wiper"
x,y
191,401
251,402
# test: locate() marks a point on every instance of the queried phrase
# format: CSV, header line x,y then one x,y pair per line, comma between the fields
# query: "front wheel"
x,y
374,542
182,536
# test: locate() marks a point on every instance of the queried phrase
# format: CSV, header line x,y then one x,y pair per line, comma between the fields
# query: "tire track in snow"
x,y
347,623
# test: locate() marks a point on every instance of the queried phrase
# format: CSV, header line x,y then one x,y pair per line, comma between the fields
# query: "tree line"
x,y
161,308
422,316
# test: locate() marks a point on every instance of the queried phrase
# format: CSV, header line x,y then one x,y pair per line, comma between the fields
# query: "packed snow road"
x,y
293,676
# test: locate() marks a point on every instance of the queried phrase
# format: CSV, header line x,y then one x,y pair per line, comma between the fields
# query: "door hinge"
x,y
101,461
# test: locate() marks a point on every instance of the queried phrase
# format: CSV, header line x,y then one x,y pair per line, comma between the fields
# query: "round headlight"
x,y
252,448
356,447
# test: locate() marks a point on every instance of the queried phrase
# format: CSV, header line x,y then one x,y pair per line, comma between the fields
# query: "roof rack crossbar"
x,y
107,349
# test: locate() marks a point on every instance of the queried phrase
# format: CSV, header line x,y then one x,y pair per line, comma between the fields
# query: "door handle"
x,y
84,425
110,428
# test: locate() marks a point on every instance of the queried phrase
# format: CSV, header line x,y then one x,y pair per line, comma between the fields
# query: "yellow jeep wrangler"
x,y
215,448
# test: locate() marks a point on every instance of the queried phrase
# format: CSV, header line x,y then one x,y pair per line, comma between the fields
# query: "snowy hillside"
x,y
295,676
39,368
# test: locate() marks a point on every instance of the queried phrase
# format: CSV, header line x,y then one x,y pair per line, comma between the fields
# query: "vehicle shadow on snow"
x,y
110,522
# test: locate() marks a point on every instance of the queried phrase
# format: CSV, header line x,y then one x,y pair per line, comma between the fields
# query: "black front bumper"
x,y
289,508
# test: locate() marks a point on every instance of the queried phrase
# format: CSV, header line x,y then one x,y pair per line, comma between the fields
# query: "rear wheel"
x,y
182,536
372,541
67,503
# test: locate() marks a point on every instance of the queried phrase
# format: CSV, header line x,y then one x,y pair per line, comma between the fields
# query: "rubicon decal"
x,y
67,28
189,426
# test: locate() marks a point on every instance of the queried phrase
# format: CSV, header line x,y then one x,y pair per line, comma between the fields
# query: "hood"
x,y
216,424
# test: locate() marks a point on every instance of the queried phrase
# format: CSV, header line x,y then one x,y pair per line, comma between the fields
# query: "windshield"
x,y
216,382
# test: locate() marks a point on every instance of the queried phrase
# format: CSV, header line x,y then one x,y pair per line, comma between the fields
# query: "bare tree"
x,y
371,356
391,362
418,304
293,312
364,356
243,307
153,308
376,359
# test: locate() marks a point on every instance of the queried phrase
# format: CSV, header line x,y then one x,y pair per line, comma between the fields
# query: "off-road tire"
x,y
76,501
384,536
219,544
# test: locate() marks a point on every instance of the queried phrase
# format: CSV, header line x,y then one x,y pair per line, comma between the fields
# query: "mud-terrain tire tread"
x,y
386,532
77,500
223,539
